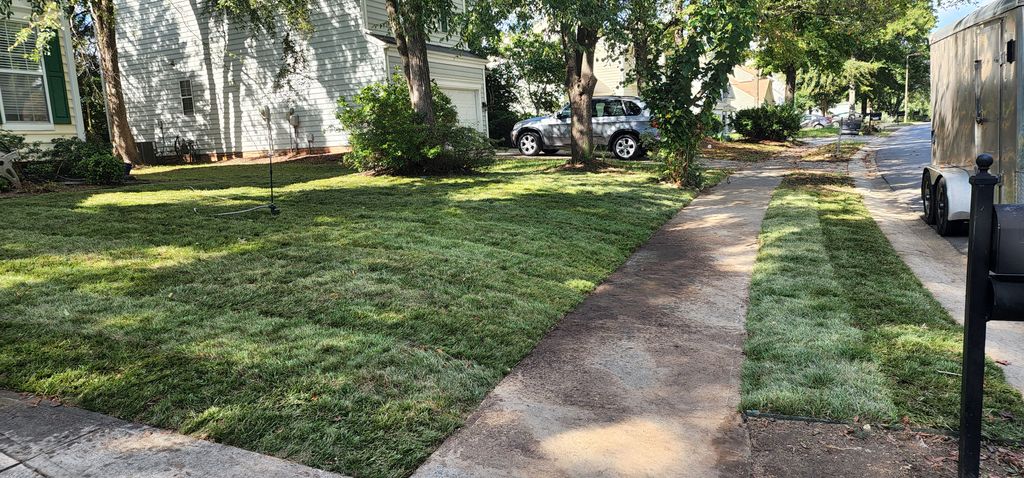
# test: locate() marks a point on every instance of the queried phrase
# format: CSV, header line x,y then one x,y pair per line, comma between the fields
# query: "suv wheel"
x,y
529,143
626,147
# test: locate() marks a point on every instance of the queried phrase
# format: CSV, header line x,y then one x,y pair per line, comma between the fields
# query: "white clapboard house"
x,y
38,98
193,77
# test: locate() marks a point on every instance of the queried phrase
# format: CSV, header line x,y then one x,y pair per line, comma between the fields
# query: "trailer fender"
x,y
958,188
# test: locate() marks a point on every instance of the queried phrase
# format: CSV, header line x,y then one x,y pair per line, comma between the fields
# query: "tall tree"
x,y
106,42
536,62
688,71
794,35
579,25
411,22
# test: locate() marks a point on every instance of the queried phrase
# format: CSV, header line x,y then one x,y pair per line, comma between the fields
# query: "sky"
x,y
950,15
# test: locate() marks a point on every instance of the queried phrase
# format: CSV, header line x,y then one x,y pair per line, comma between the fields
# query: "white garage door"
x,y
467,103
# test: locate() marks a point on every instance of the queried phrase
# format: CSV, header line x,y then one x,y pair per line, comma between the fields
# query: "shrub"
x,y
5,185
71,153
500,125
10,141
388,137
768,122
102,168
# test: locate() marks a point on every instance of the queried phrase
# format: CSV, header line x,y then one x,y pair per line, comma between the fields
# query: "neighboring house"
x,y
38,99
751,89
190,76
611,74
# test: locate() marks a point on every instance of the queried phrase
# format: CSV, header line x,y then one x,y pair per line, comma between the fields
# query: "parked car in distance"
x,y
621,123
815,121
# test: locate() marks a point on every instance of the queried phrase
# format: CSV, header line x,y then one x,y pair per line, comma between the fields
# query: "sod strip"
x,y
841,328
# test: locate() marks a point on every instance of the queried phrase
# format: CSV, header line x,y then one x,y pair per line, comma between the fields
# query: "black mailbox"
x,y
1007,262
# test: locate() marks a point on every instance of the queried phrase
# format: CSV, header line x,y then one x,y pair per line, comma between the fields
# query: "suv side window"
x,y
607,108
632,109
566,112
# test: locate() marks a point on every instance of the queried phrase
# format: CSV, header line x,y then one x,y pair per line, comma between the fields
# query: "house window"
x,y
188,105
22,80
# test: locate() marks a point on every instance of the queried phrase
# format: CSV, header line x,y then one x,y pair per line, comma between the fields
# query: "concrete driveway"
x,y
892,193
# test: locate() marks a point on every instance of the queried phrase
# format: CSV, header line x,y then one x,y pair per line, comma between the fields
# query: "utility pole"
x,y
906,88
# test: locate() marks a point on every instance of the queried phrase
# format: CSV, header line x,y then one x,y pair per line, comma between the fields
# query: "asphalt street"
x,y
901,160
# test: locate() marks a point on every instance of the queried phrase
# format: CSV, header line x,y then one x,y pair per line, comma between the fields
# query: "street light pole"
x,y
906,87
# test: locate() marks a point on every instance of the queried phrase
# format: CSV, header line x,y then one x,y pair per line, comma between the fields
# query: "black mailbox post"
x,y
995,291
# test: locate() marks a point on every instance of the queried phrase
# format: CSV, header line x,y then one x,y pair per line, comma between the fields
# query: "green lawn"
x,y
827,132
353,332
839,327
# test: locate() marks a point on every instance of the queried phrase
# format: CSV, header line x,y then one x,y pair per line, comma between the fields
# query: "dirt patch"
x,y
743,151
793,449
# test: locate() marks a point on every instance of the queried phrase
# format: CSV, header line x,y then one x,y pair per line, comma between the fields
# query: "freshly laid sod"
x,y
839,327
353,332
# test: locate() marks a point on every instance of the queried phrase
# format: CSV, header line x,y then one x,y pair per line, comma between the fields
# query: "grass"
x,y
744,151
353,332
840,328
827,132
827,153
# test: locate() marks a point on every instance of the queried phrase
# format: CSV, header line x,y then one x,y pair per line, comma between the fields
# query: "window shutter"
x,y
53,61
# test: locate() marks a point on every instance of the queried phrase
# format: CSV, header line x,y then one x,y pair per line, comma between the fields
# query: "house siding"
x,y
21,11
162,42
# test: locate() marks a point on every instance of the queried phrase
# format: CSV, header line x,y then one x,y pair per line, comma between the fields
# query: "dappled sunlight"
x,y
372,312
243,195
635,447
107,272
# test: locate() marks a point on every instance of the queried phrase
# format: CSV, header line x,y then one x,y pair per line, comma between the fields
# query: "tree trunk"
x,y
106,44
412,47
790,94
640,51
580,83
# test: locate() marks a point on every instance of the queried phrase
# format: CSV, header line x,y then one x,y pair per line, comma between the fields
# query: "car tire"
x,y
627,147
943,225
529,144
550,151
928,198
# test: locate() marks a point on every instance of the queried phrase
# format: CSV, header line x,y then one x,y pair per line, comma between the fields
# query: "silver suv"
x,y
620,122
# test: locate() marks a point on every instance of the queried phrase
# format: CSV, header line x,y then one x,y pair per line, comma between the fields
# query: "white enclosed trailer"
x,y
977,107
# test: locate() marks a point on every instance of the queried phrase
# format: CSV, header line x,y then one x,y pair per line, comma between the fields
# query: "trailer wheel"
x,y
928,198
943,225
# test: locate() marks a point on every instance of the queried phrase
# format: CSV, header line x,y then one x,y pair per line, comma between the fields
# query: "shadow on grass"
x,y
353,332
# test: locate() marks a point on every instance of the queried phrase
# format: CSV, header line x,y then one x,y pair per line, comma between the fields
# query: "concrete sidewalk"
x,y
643,378
39,438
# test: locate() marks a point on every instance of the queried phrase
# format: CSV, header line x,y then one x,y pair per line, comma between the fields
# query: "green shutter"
x,y
53,61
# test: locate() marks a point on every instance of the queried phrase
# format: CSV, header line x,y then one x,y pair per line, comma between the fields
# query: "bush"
x,y
10,141
768,122
72,153
102,168
500,125
5,185
388,137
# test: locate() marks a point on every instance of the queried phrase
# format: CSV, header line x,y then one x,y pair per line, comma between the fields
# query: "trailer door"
x,y
987,77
